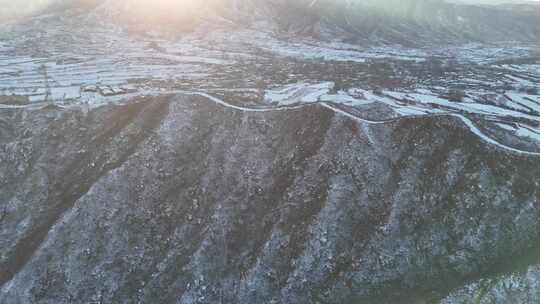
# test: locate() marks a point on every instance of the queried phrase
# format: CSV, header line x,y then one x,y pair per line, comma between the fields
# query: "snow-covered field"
x,y
95,62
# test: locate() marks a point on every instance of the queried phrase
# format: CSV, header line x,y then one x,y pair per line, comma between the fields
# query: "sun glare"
x,y
181,13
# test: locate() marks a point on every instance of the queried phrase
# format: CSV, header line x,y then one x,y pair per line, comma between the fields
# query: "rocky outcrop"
x,y
177,199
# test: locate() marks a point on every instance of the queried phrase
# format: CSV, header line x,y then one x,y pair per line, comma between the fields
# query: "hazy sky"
x,y
495,1
10,9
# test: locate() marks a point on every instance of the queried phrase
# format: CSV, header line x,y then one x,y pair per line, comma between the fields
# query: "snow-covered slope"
x,y
405,22
250,151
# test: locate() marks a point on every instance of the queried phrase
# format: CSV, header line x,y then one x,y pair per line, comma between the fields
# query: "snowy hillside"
x,y
269,151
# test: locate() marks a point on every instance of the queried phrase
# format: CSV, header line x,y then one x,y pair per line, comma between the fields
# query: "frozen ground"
x,y
234,164
92,62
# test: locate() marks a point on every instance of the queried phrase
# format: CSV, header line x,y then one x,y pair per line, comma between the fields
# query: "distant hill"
x,y
374,22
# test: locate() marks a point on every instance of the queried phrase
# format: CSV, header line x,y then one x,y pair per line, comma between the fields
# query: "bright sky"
x,y
496,1
18,8
10,9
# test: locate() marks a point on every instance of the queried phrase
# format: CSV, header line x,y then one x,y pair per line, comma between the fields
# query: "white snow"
x,y
430,101
298,93
519,80
344,98
529,101
301,93
506,127
529,133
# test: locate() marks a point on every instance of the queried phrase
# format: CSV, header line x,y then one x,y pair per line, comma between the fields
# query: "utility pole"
x,y
43,69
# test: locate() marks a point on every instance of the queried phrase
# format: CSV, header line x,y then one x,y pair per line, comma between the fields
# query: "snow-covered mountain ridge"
x,y
251,151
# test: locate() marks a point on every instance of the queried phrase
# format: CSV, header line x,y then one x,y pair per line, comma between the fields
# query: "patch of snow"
x,y
344,98
65,93
519,80
529,101
298,93
506,127
529,133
